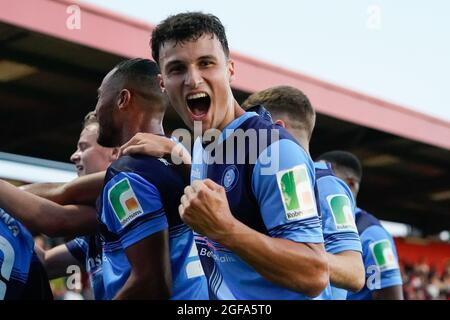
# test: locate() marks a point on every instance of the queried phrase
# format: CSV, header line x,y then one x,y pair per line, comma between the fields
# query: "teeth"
x,y
197,95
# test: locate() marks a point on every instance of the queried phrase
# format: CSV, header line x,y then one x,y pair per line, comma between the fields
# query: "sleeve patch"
x,y
296,193
124,202
341,209
383,255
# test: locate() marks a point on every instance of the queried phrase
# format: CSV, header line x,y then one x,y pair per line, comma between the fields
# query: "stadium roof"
x,y
49,75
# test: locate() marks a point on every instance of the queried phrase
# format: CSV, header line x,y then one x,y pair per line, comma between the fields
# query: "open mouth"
x,y
198,104
79,167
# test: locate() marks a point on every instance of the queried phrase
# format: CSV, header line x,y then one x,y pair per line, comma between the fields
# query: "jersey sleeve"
x,y
282,182
132,208
380,259
78,248
338,216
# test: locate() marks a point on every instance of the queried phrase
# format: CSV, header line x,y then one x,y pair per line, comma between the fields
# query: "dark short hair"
x,y
89,119
142,75
343,160
188,26
286,101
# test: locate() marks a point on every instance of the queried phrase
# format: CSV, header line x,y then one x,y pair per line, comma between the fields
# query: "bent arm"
x,y
49,190
82,190
346,270
44,216
150,276
156,146
297,266
56,261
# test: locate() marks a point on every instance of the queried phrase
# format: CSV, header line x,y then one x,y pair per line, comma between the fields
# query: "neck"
x,y
232,114
305,144
300,136
142,122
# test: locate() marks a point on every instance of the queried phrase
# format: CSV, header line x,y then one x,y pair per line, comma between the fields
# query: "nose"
x,y
193,78
75,157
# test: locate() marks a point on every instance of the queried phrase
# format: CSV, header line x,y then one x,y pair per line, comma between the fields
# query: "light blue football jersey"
x,y
140,197
273,194
379,255
87,250
337,211
16,252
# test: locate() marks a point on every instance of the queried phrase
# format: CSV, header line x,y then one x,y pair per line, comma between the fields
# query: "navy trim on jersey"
x,y
140,220
76,251
365,220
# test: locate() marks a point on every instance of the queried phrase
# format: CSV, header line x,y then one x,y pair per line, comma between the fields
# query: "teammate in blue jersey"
x,y
259,231
383,278
148,252
129,101
84,251
21,274
291,109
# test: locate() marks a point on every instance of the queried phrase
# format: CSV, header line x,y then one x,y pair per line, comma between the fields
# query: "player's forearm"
x,y
299,267
50,191
40,253
44,216
25,207
346,270
143,288
83,190
57,260
179,153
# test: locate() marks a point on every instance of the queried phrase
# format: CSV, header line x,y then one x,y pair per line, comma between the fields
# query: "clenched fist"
x,y
204,207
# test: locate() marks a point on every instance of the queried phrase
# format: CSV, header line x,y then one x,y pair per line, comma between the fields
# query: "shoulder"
x,y
157,171
370,228
136,163
267,128
365,220
327,181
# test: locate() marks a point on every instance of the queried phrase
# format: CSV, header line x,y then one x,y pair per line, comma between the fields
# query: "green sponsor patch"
x,y
341,208
124,202
384,255
296,193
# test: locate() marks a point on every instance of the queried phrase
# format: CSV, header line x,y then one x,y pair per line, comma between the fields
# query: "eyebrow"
x,y
207,57
175,62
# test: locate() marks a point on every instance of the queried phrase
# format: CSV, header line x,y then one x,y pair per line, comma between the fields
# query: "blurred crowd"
x,y
422,281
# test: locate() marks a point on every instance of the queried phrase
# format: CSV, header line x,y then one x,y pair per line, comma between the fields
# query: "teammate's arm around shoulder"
x,y
156,146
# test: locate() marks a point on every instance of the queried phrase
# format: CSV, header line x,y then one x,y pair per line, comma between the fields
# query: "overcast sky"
x,y
396,50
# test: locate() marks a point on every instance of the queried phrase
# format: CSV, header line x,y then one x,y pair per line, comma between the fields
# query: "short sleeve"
x,y
78,248
282,181
380,258
132,208
338,216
